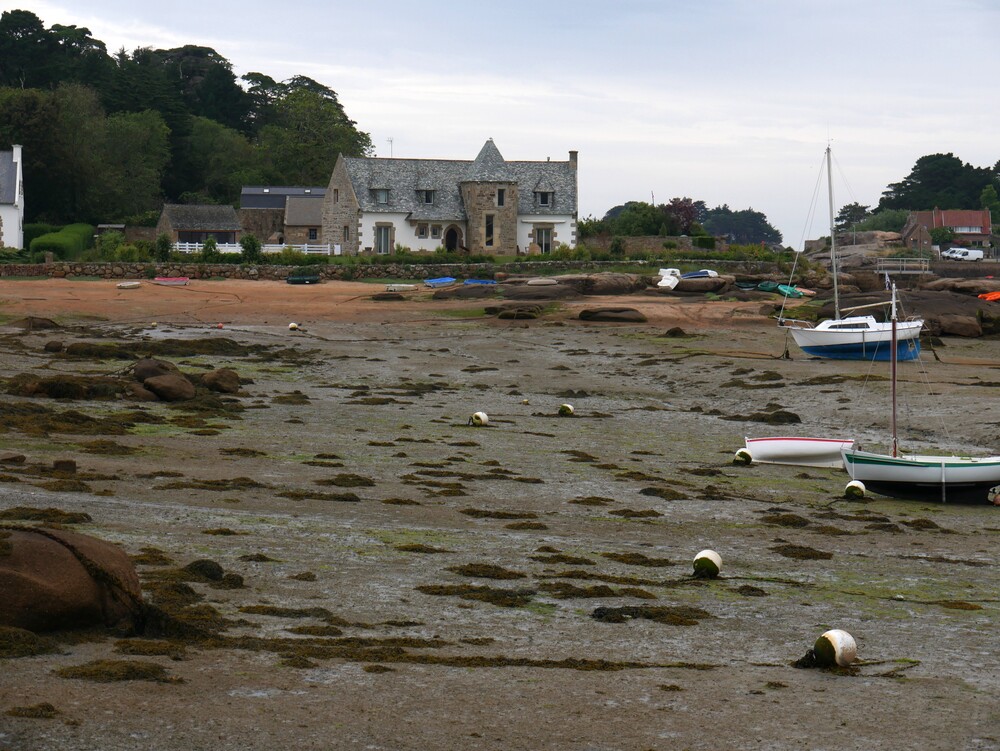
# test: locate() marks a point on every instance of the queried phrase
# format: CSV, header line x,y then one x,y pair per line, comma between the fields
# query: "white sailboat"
x,y
906,476
856,337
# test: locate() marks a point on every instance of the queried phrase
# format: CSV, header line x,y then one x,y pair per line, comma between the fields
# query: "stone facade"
x,y
267,225
481,205
341,212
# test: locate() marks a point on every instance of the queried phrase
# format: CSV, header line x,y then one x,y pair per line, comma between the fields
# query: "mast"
x,y
833,236
892,358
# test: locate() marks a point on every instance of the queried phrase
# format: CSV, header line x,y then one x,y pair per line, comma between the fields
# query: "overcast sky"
x,y
725,101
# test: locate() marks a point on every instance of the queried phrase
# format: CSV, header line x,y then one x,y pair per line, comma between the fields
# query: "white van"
x,y
969,254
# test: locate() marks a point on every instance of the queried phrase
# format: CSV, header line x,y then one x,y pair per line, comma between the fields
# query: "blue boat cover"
x,y
441,281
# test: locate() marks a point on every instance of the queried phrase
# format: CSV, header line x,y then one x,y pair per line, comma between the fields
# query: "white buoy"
x,y
743,456
565,410
855,489
479,419
993,495
835,647
292,326
707,564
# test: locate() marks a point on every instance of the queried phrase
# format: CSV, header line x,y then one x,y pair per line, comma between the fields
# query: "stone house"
x,y
971,227
485,206
195,223
11,199
264,208
303,220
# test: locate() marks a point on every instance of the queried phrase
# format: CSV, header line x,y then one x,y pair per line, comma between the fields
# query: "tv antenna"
x,y
389,141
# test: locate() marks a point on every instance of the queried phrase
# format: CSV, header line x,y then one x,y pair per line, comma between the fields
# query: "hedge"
x,y
67,243
31,231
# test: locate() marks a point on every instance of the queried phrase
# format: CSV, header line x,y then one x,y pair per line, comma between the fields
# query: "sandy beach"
x,y
411,581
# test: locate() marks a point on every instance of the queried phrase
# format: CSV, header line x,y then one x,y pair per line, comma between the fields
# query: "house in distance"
x,y
486,206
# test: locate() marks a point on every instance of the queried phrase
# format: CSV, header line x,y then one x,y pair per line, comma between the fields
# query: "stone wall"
x,y
263,223
359,271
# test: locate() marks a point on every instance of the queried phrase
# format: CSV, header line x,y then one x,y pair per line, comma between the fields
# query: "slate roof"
x,y
405,177
273,196
201,217
8,178
304,211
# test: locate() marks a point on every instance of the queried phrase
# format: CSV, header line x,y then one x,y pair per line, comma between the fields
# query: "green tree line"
x,y
109,137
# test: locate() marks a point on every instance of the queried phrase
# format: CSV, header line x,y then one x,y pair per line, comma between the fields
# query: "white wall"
x,y
12,233
405,232
563,229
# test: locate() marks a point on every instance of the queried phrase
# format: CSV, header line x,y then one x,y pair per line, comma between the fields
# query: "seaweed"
x,y
801,552
110,671
506,598
43,711
637,559
486,571
26,513
477,513
680,615
19,642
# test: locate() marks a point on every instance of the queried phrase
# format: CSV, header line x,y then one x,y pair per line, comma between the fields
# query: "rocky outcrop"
x,y
222,380
171,387
56,580
612,315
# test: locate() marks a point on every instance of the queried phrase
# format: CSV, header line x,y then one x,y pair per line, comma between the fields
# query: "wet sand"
x,y
604,509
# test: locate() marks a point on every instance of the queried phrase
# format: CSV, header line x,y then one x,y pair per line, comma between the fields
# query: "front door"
x,y
451,239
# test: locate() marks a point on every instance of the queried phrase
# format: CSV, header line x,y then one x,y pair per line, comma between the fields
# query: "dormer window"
x,y
426,197
382,195
544,198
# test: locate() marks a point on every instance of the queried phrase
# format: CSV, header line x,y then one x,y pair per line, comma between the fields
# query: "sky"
x,y
724,101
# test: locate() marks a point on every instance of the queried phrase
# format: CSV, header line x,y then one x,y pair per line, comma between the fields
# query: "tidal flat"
x,y
388,575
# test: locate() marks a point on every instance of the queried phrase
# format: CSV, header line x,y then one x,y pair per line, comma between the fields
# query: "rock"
x,y
612,315
223,380
33,323
54,346
675,332
959,325
65,466
465,292
387,296
541,292
702,285
140,392
529,307
150,367
55,580
13,459
170,388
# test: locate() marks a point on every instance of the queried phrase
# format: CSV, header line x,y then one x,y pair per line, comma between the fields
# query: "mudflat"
x,y
412,581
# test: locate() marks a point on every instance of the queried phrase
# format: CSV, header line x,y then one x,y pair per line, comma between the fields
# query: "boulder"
x,y
54,346
170,388
465,292
140,392
223,380
55,580
959,325
612,315
149,367
704,284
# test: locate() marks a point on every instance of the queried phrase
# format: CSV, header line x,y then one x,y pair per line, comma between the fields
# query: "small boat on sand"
x,y
171,281
441,281
703,273
400,287
304,279
797,450
479,281
128,285
542,281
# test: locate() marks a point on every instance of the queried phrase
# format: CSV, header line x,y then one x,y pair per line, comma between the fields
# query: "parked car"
x,y
969,254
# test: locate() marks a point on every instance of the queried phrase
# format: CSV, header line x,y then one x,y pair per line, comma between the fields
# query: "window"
x,y
435,230
313,233
543,238
489,230
336,195
501,196
347,233
544,198
383,239
421,230
426,196
382,195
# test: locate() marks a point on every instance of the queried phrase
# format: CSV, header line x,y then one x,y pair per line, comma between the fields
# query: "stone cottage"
x,y
485,206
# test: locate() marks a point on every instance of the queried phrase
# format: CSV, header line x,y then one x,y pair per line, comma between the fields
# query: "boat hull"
x,y
798,451
945,478
867,340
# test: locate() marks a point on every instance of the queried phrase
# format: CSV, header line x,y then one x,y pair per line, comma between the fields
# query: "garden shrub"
x,y
251,249
67,243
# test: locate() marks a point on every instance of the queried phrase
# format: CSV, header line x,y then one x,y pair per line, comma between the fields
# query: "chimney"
x,y
572,158
16,148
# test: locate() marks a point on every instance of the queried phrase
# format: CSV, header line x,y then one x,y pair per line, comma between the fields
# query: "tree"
x,y
162,247
937,181
850,216
744,227
251,248
942,235
885,220
223,160
310,130
134,155
25,47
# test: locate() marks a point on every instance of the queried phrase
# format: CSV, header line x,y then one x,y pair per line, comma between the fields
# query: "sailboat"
x,y
906,476
856,337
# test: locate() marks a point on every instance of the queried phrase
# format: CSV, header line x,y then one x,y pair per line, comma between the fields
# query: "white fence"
x,y
323,250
